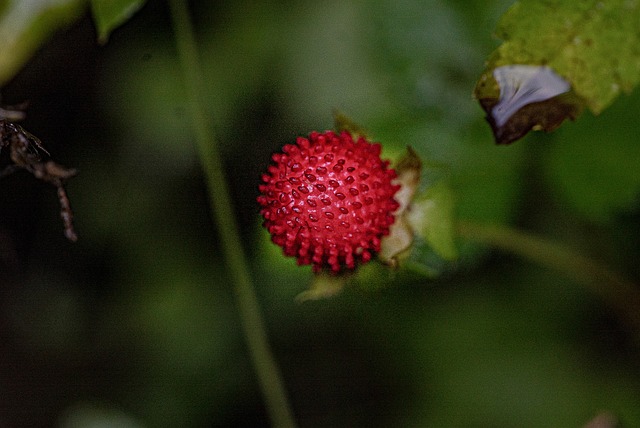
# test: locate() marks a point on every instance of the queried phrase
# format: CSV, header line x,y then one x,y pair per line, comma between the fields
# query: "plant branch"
x,y
263,361
621,294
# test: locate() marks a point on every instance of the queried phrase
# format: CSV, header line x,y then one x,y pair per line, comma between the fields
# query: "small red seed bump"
x,y
310,177
350,179
321,170
329,214
321,187
343,210
326,201
354,191
340,196
334,183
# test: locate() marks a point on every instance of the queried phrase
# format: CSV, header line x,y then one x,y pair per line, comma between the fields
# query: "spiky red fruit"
x,y
328,200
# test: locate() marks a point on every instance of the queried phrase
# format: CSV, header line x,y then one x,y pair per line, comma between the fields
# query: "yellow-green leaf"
x,y
110,14
593,45
26,24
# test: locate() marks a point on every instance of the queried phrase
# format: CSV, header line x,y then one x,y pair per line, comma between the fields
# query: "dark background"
x,y
135,324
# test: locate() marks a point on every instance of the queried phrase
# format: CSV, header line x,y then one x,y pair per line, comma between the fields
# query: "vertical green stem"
x,y
264,363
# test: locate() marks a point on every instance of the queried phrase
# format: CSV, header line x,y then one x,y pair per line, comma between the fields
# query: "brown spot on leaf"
x,y
521,98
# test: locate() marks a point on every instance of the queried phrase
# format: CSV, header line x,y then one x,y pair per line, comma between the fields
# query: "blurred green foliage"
x,y
110,14
138,317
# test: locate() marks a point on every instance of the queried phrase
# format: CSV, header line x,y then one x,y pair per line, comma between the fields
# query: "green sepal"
x,y
110,14
342,122
324,285
432,218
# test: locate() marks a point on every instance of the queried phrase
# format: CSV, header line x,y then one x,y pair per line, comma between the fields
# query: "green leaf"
x,y
591,44
110,14
27,24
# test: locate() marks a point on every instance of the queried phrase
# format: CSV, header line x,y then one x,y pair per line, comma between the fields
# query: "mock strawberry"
x,y
328,200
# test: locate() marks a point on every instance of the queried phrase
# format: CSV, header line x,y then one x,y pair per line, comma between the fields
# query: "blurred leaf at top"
x,y
26,24
595,169
110,14
592,45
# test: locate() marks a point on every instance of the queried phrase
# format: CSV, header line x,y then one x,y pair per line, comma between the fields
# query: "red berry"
x,y
328,200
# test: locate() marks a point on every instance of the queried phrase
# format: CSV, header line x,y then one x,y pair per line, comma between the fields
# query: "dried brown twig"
x,y
26,152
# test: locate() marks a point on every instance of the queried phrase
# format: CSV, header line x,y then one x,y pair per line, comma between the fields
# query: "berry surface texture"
x,y
328,200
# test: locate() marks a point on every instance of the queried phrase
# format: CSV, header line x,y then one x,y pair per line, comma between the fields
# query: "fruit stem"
x,y
622,295
264,363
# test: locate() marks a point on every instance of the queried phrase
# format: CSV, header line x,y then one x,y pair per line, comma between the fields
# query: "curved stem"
x,y
621,294
263,361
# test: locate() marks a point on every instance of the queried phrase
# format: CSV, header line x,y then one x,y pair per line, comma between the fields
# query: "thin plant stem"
x,y
268,373
622,295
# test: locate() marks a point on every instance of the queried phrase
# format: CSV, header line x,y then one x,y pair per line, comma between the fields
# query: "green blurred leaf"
x,y
595,167
591,44
27,24
110,14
